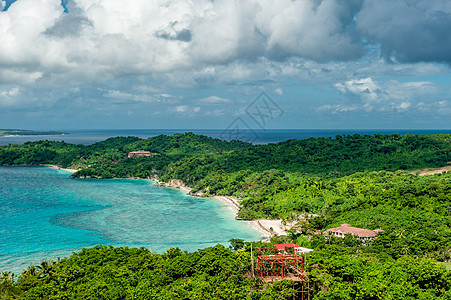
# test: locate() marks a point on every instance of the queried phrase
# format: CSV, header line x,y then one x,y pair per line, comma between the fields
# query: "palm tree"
x,y
46,267
400,233
7,288
7,277
30,271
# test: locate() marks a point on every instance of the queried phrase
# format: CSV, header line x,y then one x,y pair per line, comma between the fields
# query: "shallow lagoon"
x,y
46,214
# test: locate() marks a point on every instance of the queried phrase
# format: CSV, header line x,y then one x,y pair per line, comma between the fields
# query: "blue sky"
x,y
109,64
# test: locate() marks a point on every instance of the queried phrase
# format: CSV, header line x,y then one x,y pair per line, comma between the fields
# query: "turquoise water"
x,y
46,214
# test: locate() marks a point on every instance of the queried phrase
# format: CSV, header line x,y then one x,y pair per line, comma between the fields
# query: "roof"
x,y
283,246
140,151
305,250
346,228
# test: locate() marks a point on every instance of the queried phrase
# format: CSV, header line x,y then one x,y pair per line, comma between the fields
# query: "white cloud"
x,y
181,108
310,29
10,93
145,51
186,110
213,100
128,97
109,38
338,108
278,91
164,39
366,88
442,107
10,97
404,105
389,95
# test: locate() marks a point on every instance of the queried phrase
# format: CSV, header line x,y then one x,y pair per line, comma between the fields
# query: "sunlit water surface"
x,y
46,214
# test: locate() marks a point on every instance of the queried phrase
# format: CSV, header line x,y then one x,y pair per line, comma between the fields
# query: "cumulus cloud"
x,y
153,37
107,39
185,110
10,93
408,30
390,95
315,30
70,23
9,97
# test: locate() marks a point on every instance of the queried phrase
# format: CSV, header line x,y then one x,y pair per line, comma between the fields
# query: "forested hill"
x,y
109,157
340,156
192,157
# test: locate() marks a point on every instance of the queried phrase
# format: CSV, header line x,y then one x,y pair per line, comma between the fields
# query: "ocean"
x,y
256,136
46,214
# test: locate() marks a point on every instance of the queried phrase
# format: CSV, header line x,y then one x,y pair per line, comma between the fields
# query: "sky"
x,y
203,64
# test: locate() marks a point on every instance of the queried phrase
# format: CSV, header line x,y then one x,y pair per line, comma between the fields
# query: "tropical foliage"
x,y
315,184
130,273
337,271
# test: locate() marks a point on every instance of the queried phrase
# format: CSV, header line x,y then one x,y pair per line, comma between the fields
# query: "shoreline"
x,y
59,168
267,227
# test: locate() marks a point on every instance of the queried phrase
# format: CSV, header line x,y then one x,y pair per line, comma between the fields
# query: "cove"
x,y
46,214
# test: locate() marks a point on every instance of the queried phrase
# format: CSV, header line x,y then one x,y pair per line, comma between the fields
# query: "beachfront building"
x,y
361,233
140,153
297,249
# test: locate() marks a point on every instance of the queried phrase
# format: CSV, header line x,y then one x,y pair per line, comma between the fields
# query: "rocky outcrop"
x,y
175,183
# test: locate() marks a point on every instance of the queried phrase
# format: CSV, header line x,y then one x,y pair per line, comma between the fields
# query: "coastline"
x,y
59,168
267,227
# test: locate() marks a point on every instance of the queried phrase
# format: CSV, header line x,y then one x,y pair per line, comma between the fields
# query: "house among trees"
x,y
361,233
296,247
140,153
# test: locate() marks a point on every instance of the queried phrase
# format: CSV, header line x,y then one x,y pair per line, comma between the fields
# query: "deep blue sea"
x,y
46,214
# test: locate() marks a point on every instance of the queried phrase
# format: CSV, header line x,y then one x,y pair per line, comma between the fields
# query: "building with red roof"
x,y
361,233
140,153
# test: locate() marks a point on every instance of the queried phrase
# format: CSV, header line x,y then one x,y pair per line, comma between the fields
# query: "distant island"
x,y
13,132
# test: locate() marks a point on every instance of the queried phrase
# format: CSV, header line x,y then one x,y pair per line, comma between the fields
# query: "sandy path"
x,y
430,171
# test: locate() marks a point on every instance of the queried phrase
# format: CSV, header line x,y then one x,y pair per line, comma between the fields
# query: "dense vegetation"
x,y
340,269
314,183
191,157
123,273
108,158
328,157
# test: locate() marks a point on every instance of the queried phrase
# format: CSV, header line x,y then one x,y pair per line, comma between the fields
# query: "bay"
x,y
46,214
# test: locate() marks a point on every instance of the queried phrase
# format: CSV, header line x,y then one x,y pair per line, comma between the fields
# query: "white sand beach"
x,y
59,168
